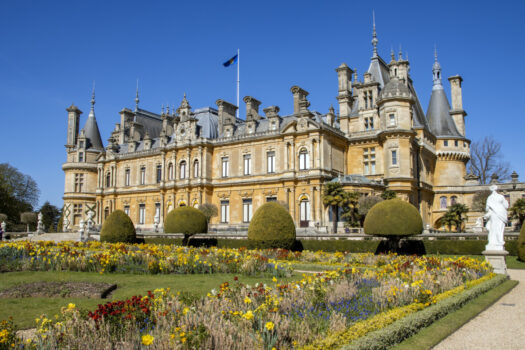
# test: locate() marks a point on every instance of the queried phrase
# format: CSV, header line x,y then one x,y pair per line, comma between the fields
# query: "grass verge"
x,y
25,310
514,263
439,330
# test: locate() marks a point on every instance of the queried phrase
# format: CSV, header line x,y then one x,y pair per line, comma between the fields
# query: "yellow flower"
x,y
147,339
274,279
269,325
185,310
247,300
248,315
71,306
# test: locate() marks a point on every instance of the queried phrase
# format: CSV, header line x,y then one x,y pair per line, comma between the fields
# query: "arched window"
x,y
159,173
143,175
453,200
443,202
106,212
170,171
196,168
304,159
304,211
182,171
108,179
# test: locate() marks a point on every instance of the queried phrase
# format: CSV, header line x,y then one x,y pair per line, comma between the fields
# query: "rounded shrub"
x,y
118,227
521,244
186,220
271,227
393,218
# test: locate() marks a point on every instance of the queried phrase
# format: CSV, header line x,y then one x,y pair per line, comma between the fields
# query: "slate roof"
x,y
92,133
439,119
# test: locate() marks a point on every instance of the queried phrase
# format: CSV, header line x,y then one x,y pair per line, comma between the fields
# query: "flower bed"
x,y
321,311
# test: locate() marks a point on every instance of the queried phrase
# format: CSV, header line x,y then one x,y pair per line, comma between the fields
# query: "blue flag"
x,y
230,61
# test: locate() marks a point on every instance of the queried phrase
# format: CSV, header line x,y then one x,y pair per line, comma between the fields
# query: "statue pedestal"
x,y
496,258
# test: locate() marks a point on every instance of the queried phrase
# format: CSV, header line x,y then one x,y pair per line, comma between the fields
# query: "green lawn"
x,y
25,310
514,263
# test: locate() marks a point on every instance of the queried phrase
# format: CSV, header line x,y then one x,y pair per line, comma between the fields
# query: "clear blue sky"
x,y
51,51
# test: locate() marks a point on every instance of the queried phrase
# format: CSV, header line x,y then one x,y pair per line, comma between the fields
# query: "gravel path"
x,y
500,327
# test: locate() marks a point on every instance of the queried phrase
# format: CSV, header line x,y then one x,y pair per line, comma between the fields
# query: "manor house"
x,y
379,138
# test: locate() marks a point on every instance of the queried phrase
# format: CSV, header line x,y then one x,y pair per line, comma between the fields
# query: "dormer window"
x,y
81,144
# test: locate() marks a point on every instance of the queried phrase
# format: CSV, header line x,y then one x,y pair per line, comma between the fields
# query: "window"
x,y
80,156
453,200
225,211
224,162
106,212
247,210
127,173
143,175
157,211
369,160
369,123
304,209
304,159
247,160
196,169
170,171
365,99
456,143
443,202
126,209
270,164
159,173
142,213
271,199
108,179
392,120
445,143
80,144
394,157
182,171
79,182
77,213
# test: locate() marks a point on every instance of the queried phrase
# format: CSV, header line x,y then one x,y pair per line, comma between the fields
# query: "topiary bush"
x,y
186,220
394,219
271,227
521,244
118,227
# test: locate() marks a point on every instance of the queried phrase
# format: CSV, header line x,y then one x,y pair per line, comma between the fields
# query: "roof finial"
x,y
374,34
392,54
168,108
162,109
137,97
93,97
435,53
436,72
400,53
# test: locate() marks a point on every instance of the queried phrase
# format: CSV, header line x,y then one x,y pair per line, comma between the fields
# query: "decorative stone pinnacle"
x,y
137,97
374,34
93,96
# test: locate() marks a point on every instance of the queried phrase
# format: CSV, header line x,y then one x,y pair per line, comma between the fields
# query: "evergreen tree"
x,y
517,211
334,196
50,216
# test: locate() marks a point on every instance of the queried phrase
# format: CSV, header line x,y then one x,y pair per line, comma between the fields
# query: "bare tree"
x,y
486,160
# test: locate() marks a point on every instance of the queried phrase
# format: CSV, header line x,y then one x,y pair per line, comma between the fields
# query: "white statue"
x,y
156,221
40,225
81,231
496,214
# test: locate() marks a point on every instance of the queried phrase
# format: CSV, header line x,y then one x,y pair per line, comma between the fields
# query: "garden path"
x,y
500,327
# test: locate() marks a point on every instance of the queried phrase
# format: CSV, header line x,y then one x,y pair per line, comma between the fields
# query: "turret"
x,y
344,96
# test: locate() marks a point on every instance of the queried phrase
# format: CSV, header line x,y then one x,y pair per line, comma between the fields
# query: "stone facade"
x,y
380,139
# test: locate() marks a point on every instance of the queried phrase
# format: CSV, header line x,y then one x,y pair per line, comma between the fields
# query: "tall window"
x,y
369,160
170,171
182,171
127,174
80,156
159,173
225,211
443,202
126,209
366,99
394,157
143,175
196,169
77,213
157,210
247,159
453,200
304,209
142,214
304,159
225,170
270,161
392,120
79,182
247,210
108,179
456,143
445,143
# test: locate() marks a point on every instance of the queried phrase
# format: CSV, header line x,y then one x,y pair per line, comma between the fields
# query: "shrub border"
x,y
406,327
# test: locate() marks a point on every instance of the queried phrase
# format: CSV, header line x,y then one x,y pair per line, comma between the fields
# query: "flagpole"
x,y
238,80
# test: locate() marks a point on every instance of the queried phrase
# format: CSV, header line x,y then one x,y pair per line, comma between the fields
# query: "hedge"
x,y
441,246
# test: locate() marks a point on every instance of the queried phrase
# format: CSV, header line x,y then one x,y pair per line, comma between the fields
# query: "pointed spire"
x,y
137,97
436,72
374,34
162,109
167,109
392,54
91,128
93,99
400,55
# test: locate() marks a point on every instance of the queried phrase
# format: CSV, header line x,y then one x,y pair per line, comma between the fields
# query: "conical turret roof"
x,y
91,129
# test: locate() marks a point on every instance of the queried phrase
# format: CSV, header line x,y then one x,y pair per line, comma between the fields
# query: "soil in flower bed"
x,y
59,290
